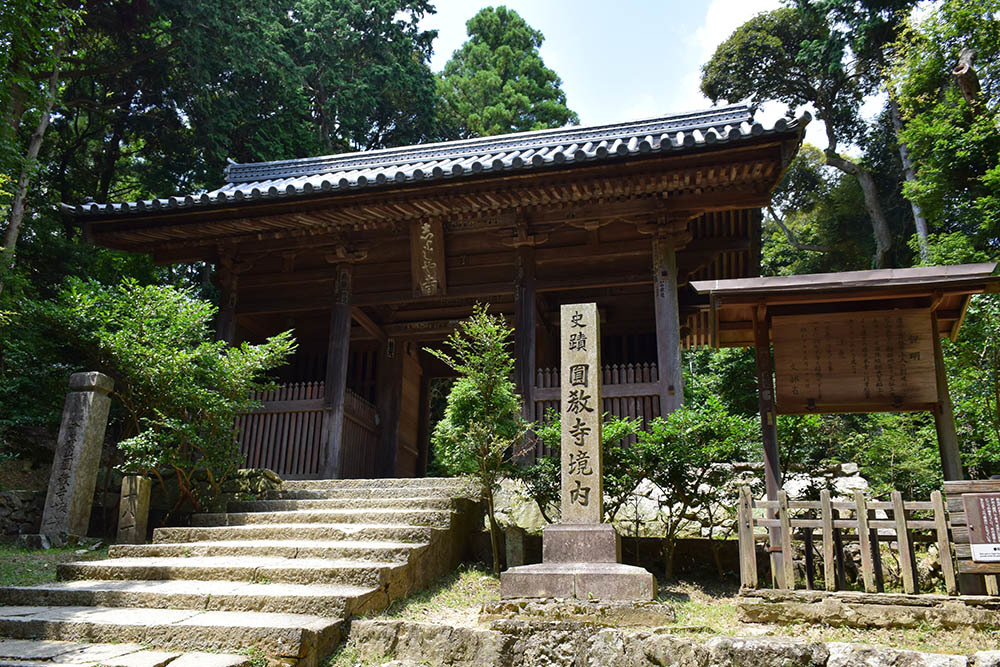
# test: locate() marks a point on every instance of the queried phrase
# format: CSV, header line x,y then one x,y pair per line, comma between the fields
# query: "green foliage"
x,y
181,390
497,82
685,449
771,57
955,144
624,467
973,363
482,424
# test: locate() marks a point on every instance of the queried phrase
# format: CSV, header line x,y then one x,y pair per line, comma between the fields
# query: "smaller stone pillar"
x,y
133,513
78,456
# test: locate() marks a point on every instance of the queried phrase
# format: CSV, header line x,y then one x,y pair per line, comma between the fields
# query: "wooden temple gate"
x,y
371,257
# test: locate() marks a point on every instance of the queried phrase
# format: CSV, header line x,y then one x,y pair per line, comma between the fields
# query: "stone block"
x,y
78,456
514,545
598,581
576,542
133,514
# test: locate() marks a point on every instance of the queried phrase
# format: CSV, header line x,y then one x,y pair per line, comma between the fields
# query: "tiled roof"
x,y
456,159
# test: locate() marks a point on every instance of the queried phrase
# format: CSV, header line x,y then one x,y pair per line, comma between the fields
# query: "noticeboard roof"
x,y
943,289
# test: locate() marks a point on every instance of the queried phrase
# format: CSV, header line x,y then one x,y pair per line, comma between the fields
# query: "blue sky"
x,y
620,60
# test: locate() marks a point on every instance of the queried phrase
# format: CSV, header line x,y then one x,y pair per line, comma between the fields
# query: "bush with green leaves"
x,y
180,389
624,467
482,424
686,448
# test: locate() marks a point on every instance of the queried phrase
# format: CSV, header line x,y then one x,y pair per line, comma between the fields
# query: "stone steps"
x,y
336,549
279,575
363,493
297,531
410,517
449,483
441,503
298,638
262,569
51,653
331,600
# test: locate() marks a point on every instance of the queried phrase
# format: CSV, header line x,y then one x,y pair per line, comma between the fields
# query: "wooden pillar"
x,y
944,415
225,324
338,352
524,332
388,398
769,432
668,329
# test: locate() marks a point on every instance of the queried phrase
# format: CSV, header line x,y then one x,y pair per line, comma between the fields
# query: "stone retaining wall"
x,y
557,644
20,513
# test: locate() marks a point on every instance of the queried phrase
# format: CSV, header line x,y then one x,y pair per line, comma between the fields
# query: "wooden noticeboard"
x,y
982,515
868,361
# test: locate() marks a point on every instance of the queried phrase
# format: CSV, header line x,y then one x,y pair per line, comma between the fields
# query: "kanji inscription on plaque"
x,y
982,511
868,361
582,492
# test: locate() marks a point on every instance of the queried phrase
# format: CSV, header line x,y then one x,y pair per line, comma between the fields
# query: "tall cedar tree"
x,y
497,83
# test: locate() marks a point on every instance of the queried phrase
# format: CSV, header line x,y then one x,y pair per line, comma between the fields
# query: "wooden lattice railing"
x,y
627,390
288,433
833,523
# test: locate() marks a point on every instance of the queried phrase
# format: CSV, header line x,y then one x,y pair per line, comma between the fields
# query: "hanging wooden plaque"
x,y
867,361
427,258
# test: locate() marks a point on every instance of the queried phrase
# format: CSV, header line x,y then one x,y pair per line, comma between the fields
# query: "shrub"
x,y
482,421
180,390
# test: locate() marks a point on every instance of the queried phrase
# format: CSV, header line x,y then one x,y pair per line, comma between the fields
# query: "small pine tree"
x,y
482,424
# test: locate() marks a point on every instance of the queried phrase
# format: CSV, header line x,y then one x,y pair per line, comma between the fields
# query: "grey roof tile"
x,y
455,159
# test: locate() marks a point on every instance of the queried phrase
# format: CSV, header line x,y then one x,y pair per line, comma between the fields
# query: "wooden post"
x,y
944,415
768,426
748,553
388,399
225,324
905,548
876,556
524,333
668,327
826,512
810,565
865,540
786,540
338,352
944,544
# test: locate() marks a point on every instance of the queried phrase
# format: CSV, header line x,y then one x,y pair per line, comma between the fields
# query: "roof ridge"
x,y
257,171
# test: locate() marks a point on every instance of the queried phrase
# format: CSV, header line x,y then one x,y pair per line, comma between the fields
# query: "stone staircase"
x,y
278,576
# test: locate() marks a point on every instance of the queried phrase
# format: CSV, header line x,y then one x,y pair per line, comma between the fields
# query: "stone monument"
x,y
581,555
77,458
133,510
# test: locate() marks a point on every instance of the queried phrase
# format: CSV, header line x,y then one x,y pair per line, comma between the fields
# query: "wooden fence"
x,y
288,433
627,390
836,522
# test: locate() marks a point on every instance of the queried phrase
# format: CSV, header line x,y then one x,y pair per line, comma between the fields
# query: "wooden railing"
x,y
801,519
288,433
627,390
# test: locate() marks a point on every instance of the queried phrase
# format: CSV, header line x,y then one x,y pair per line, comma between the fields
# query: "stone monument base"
x,y
583,581
568,542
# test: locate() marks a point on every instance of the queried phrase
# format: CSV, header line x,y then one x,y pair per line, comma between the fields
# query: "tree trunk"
x,y
17,208
967,79
880,226
910,174
494,531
